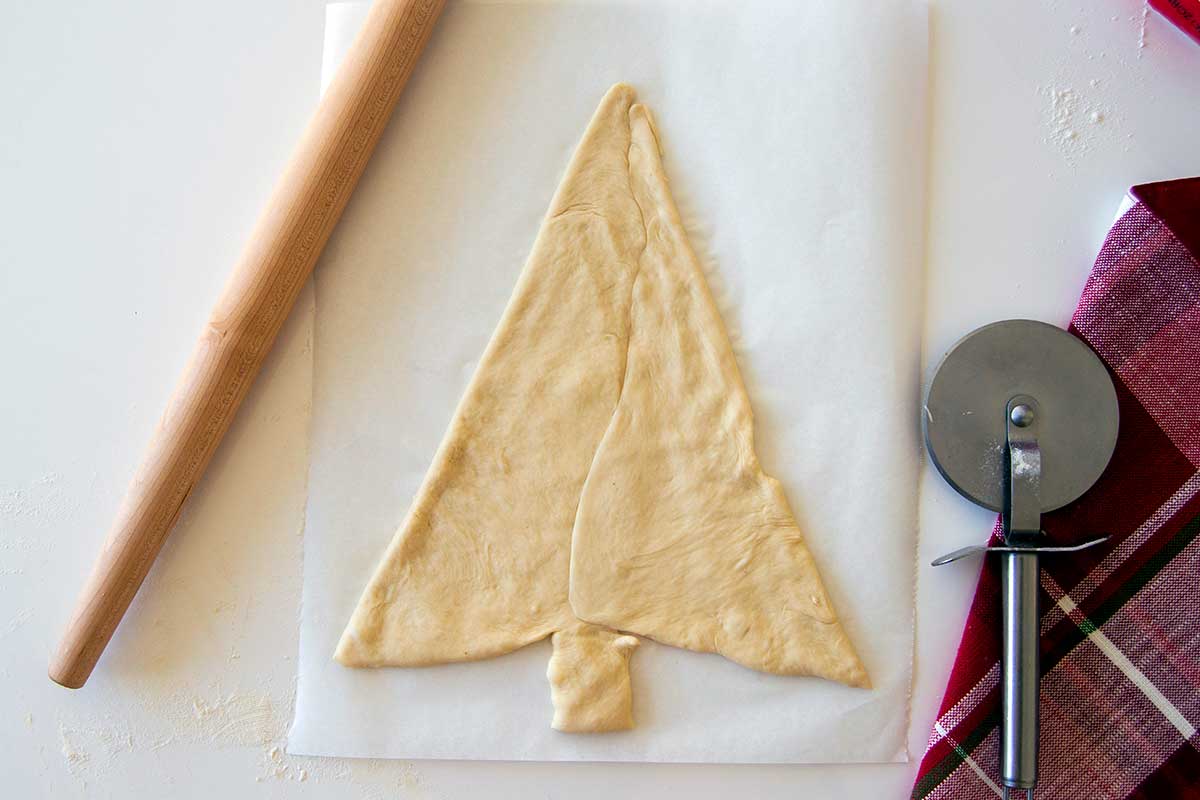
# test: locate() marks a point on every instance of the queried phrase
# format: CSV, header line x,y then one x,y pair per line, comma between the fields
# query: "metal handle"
x,y
1021,672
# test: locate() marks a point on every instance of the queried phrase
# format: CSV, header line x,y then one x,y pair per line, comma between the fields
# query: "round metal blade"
x,y
964,414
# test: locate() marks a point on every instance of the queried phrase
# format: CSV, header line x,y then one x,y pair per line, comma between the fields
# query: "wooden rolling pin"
x,y
285,244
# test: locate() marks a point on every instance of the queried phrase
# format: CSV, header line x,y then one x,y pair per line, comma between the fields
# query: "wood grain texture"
x,y
286,242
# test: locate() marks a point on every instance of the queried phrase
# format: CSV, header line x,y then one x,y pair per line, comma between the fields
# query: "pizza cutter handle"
x,y
1020,670
1020,667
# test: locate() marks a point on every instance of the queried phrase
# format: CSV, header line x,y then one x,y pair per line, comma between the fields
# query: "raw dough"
x,y
680,536
692,544
589,680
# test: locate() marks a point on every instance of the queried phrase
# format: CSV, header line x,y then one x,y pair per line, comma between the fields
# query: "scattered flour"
x,y
1063,114
1074,124
236,719
42,502
17,621
1078,121
1024,462
1142,28
73,751
380,779
89,747
246,719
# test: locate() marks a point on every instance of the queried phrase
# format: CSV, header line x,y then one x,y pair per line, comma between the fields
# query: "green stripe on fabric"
x,y
1148,571
942,770
1137,581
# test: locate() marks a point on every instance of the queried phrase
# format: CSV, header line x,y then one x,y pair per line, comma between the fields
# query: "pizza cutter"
x,y
1021,418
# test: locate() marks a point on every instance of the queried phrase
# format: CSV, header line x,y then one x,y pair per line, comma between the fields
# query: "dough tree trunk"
x,y
589,680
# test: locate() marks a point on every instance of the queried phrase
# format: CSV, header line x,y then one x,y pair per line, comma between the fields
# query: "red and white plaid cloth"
x,y
1120,693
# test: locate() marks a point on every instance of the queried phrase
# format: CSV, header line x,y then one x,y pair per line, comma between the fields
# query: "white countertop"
x,y
140,141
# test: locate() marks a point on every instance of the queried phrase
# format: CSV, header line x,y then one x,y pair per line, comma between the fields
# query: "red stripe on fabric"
x,y
1177,204
1157,632
934,755
1144,472
1142,279
1165,375
963,783
1178,778
979,648
976,716
1136,562
1140,310
1082,759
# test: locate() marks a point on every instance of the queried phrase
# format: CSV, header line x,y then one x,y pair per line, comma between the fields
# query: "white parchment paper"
x,y
795,141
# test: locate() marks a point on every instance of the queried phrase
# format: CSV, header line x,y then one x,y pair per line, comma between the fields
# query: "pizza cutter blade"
x,y
1021,418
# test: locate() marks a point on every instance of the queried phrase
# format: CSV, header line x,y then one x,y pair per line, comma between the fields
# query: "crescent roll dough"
x,y
599,475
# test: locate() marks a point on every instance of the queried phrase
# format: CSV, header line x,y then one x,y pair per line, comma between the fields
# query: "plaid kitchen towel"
x,y
1120,647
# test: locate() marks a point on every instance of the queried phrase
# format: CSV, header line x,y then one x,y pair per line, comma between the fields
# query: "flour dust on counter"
x,y
250,723
1080,120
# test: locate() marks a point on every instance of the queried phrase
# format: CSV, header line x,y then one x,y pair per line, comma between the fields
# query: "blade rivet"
x,y
1022,416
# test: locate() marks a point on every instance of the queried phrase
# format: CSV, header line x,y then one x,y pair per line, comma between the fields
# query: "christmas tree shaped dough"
x,y
542,512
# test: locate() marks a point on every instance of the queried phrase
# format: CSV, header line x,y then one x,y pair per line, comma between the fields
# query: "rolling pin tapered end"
x,y
66,682
70,674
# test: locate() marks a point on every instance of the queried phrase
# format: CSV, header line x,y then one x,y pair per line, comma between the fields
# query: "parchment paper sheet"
x,y
795,140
